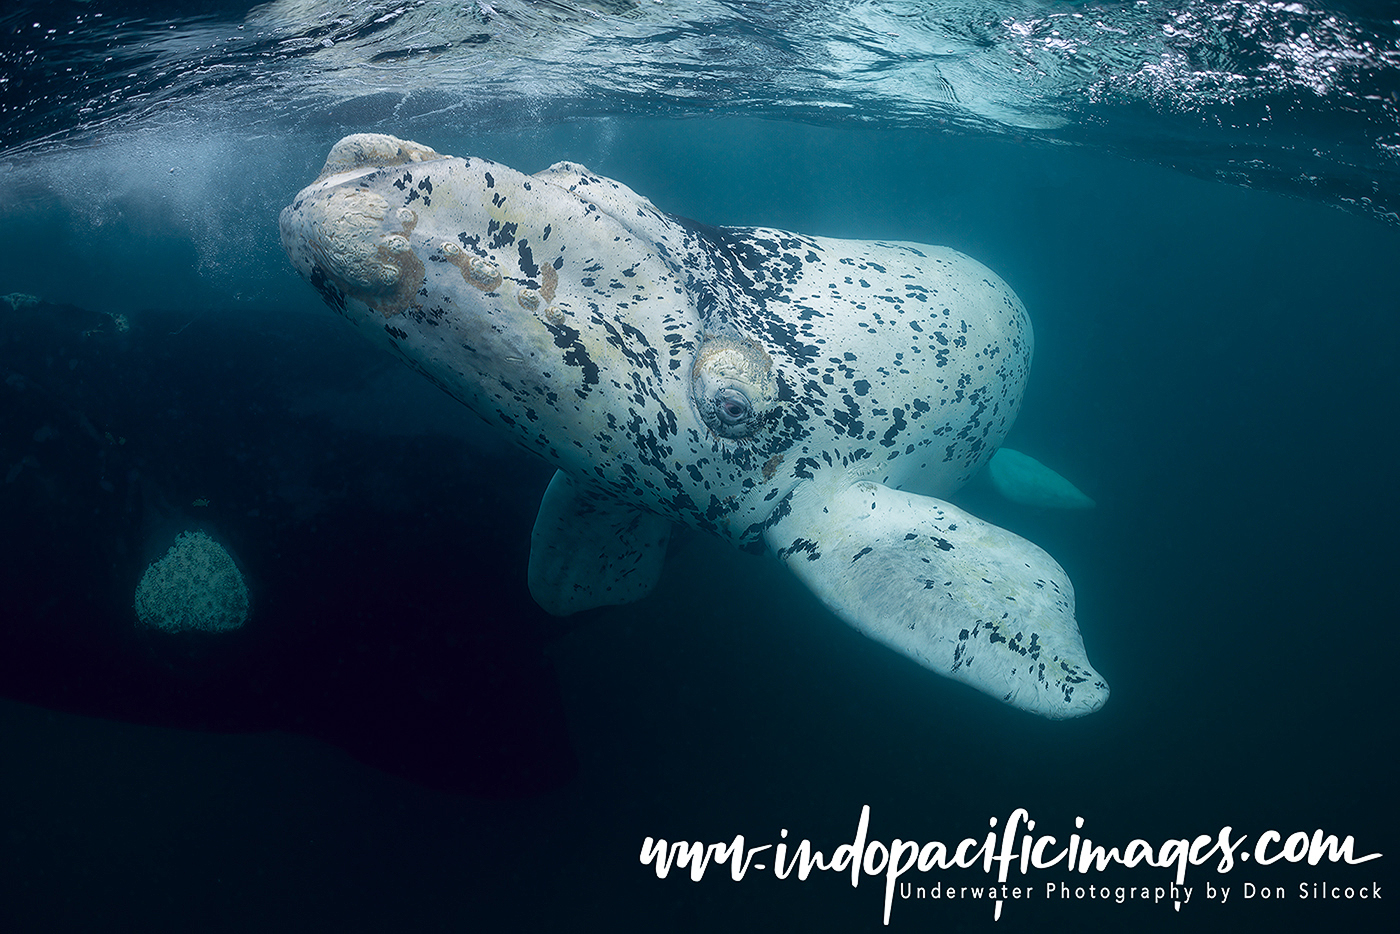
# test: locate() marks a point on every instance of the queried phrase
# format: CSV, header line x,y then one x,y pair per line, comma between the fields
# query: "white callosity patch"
x,y
350,236
195,586
733,386
709,376
358,150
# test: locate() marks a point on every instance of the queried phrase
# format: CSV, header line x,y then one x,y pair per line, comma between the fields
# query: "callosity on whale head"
x,y
772,388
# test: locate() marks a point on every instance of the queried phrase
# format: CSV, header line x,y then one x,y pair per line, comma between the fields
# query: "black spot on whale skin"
x,y
806,547
576,356
328,291
666,422
527,259
379,624
679,504
847,421
502,235
897,425
805,467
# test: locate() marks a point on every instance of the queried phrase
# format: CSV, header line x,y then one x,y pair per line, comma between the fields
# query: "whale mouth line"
x,y
342,177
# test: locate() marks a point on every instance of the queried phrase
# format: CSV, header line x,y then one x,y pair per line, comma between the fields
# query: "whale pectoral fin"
x,y
1023,479
955,594
587,551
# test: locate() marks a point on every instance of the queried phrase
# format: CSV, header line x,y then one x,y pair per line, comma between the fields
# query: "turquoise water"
x,y
401,740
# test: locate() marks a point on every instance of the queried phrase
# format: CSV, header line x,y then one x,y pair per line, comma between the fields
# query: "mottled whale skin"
x,y
774,389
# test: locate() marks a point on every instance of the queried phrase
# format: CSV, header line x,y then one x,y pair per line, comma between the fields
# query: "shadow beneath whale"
x,y
383,545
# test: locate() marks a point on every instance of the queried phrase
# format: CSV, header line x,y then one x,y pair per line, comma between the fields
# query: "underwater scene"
x,y
637,465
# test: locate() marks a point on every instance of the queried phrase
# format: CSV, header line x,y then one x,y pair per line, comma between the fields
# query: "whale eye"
x,y
733,388
732,406
729,413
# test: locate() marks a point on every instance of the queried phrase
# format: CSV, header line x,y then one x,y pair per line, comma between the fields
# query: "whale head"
x,y
559,307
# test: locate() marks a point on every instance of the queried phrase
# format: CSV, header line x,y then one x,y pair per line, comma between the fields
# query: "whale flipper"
x,y
588,551
1025,480
957,595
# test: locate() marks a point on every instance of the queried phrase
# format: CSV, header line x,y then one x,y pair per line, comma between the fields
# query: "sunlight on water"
x,y
1264,94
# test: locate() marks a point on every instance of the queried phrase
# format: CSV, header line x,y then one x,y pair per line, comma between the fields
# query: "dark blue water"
x,y
401,740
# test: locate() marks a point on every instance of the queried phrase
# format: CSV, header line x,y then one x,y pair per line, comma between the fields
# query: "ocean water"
x,y
1196,203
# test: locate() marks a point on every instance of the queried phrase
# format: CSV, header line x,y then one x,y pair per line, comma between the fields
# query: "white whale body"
x,y
774,389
